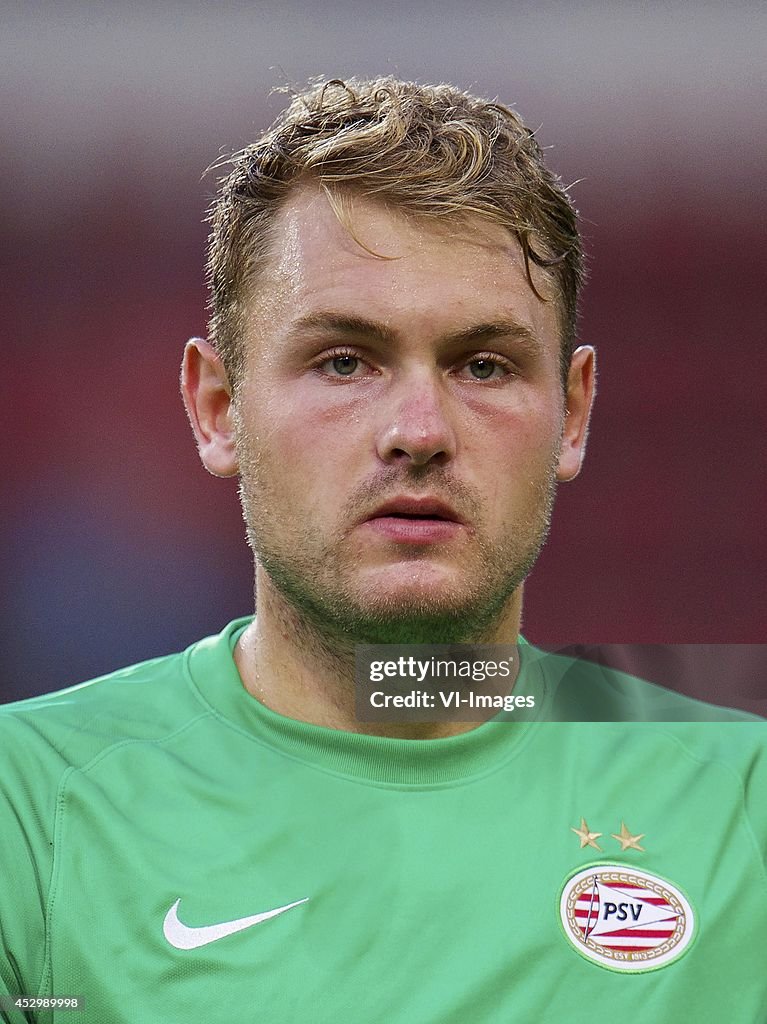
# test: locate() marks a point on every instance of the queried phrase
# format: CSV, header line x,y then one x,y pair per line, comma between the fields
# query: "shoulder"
x,y
45,739
586,689
48,741
618,708
619,715
143,702
79,722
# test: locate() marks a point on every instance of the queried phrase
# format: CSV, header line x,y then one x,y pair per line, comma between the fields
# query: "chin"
x,y
422,623
421,600
422,612
411,579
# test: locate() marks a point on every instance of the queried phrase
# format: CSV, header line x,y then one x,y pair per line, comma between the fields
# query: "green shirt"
x,y
500,875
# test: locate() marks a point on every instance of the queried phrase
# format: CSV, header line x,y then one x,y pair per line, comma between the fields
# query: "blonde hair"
x,y
432,151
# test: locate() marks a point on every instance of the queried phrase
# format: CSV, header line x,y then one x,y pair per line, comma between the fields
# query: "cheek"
x,y
304,448
512,463
520,436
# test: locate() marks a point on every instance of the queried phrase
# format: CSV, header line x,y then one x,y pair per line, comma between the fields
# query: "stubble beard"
x,y
319,589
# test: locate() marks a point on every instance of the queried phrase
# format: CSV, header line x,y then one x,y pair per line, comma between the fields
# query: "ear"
x,y
581,380
208,401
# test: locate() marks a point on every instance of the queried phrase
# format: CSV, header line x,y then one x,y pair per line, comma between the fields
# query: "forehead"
x,y
396,268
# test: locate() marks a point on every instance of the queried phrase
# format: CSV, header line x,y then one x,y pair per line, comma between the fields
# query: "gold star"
x,y
627,841
586,837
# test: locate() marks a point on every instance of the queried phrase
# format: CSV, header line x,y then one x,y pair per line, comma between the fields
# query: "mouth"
x,y
417,510
422,520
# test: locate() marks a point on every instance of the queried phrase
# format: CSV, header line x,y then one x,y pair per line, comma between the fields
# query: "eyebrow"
x,y
351,326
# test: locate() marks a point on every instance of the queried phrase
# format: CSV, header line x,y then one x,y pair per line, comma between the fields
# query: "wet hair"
x,y
430,151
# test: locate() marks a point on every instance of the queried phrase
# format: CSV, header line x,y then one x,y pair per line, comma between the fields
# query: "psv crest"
x,y
625,919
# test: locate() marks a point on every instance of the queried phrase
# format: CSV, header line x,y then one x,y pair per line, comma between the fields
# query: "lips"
x,y
420,508
415,523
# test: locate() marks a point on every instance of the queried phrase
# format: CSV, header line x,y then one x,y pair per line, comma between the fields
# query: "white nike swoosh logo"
x,y
182,936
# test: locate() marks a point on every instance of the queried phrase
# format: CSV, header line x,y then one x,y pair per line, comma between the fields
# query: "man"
x,y
392,371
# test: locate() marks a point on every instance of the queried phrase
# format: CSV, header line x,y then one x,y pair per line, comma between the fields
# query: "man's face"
x,y
399,422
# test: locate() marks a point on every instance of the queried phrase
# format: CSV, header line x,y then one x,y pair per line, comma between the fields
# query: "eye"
x,y
342,363
484,367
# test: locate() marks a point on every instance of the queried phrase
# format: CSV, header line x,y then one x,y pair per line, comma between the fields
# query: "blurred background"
x,y
117,546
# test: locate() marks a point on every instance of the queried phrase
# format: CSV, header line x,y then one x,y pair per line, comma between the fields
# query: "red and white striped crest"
x,y
625,919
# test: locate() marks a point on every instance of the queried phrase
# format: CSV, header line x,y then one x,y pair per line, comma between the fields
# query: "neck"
x,y
287,663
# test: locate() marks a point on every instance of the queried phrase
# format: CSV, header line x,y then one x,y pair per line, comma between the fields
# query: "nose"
x,y
415,426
